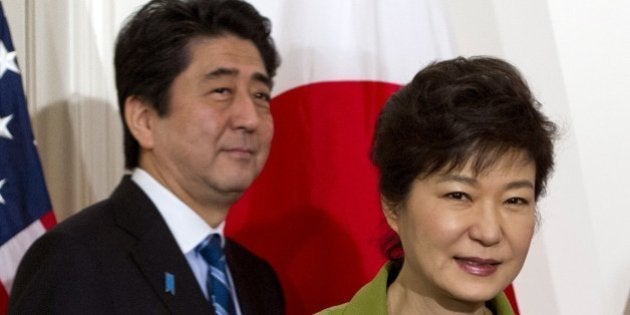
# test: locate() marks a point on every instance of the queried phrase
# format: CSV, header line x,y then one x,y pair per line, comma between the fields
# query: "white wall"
x,y
575,55
65,50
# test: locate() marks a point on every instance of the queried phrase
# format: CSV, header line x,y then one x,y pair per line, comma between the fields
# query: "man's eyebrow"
x,y
263,78
232,72
219,72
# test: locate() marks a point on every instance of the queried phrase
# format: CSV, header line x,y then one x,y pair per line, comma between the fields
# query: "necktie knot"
x,y
212,252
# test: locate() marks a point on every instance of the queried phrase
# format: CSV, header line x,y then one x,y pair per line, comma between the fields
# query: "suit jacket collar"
x,y
156,252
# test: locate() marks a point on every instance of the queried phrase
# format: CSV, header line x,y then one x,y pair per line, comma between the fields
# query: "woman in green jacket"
x,y
464,154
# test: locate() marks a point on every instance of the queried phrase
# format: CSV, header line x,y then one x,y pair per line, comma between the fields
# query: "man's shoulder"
x,y
65,254
83,233
87,221
101,215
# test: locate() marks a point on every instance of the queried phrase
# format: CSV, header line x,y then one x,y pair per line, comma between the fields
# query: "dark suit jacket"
x,y
112,257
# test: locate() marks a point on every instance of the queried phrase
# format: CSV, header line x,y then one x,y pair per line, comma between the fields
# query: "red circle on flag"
x,y
314,211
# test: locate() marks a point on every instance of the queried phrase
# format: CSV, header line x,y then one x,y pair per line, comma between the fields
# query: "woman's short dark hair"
x,y
452,112
153,48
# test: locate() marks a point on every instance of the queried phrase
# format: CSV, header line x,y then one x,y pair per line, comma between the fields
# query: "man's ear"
x,y
391,213
140,116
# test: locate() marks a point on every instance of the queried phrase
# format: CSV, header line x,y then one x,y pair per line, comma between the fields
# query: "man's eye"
x,y
263,96
221,90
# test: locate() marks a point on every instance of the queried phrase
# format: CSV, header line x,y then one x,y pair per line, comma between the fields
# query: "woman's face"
x,y
466,236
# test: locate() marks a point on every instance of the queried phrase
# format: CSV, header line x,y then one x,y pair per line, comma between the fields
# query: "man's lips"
x,y
478,266
239,151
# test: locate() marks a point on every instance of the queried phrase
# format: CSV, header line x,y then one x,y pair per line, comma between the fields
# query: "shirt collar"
x,y
187,227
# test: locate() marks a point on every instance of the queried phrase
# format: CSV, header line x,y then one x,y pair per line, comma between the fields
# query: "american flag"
x,y
25,209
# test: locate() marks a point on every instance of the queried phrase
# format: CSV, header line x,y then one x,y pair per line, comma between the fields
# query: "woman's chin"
x,y
476,292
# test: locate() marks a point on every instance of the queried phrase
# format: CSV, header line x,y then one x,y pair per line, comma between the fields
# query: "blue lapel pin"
x,y
169,283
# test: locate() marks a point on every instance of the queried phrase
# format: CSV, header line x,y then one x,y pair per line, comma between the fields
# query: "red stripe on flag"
x,y
48,220
4,300
509,292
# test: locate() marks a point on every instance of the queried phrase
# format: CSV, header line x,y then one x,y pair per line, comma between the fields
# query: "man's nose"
x,y
244,114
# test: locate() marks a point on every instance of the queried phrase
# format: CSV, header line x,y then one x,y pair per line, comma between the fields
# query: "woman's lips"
x,y
478,266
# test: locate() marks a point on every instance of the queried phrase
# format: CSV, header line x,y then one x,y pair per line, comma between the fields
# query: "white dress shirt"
x,y
188,228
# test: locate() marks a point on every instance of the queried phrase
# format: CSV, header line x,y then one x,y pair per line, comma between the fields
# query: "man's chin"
x,y
232,182
233,190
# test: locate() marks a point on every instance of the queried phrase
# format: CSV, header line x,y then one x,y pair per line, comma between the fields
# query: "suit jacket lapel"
x,y
239,275
156,252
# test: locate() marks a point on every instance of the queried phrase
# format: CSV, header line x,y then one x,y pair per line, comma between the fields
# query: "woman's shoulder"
x,y
500,305
371,298
339,309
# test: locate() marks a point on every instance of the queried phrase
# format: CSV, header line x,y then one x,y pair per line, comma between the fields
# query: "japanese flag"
x,y
314,212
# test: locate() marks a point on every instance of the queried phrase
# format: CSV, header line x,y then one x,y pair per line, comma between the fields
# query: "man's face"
x,y
215,138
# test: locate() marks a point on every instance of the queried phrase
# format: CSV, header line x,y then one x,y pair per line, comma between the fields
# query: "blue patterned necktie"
x,y
217,280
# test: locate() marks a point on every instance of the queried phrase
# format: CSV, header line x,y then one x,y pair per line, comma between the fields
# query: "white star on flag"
x,y
7,60
4,127
2,184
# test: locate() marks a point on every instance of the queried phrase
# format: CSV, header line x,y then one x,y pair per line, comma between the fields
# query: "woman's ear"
x,y
391,213
139,115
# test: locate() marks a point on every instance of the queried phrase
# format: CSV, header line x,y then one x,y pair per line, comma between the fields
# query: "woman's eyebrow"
x,y
458,178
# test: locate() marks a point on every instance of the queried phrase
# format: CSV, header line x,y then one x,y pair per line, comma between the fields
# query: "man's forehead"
x,y
228,47
231,53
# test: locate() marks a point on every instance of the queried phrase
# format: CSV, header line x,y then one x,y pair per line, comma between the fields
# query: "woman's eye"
x,y
458,195
517,201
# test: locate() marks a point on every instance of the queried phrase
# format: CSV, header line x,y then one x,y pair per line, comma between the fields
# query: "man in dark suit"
x,y
194,80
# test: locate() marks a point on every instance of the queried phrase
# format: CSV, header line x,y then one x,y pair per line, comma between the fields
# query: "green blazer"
x,y
372,299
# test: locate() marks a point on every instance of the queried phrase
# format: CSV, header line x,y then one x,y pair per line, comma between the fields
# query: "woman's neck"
x,y
403,300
